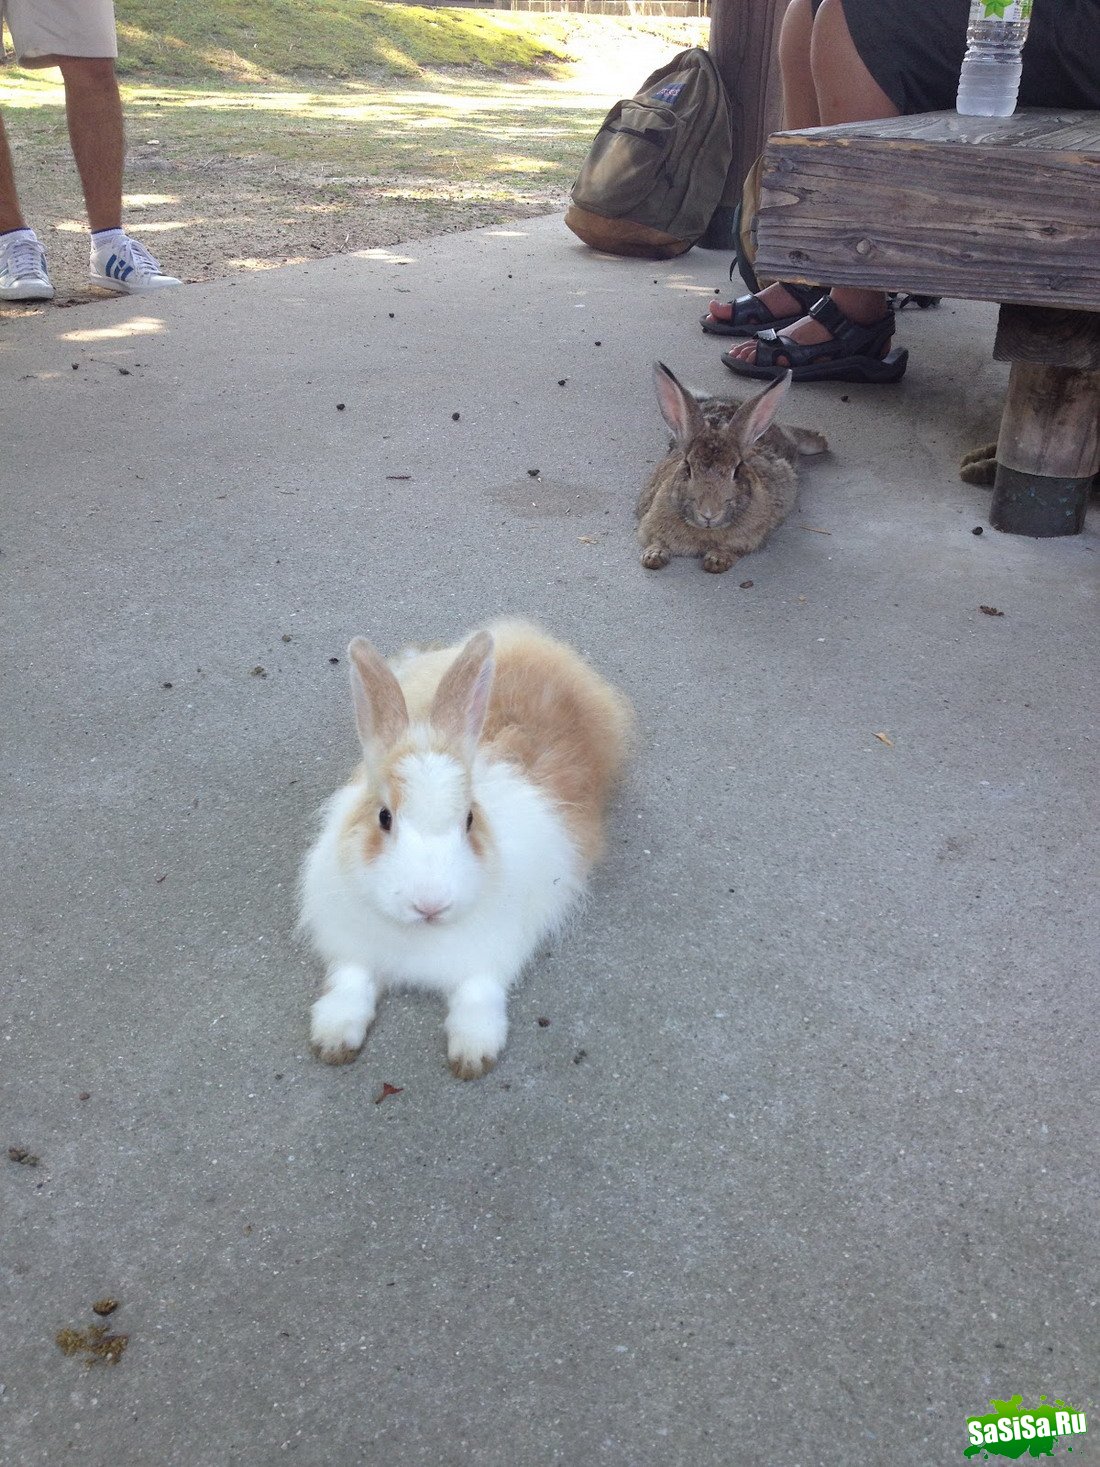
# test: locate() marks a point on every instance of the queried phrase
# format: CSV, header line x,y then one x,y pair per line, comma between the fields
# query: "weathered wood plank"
x,y
1003,209
1061,132
1051,422
1048,450
1052,338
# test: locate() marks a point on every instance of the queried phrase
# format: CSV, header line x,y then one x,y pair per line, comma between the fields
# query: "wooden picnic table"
x,y
996,209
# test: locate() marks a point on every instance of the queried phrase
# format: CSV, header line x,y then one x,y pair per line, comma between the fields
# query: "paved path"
x,y
802,1169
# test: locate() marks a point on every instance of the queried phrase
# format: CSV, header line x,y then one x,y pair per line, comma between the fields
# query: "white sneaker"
x,y
23,268
128,267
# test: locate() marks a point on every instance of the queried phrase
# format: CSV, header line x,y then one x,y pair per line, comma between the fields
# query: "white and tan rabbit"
x,y
465,835
728,478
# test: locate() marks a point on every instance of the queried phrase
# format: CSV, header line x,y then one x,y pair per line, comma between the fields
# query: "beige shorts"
x,y
43,29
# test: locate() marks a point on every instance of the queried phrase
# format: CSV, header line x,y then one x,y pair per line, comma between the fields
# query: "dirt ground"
x,y
238,220
208,210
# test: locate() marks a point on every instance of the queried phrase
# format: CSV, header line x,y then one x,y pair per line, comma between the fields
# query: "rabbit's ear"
x,y
678,408
380,712
462,698
756,416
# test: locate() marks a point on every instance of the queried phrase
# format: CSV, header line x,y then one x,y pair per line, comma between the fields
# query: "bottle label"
x,y
1006,10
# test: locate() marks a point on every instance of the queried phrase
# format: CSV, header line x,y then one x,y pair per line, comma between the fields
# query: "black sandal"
x,y
855,353
750,313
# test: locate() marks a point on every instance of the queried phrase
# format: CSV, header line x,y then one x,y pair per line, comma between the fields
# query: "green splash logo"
x,y
1011,10
1010,1431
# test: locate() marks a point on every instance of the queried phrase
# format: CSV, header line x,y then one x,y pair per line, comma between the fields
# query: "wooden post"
x,y
1048,451
744,41
1049,447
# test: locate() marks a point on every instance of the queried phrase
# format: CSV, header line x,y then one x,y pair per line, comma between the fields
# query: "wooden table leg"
x,y
1048,451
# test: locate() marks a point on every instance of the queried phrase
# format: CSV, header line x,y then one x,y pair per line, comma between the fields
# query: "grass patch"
x,y
269,40
247,164
504,136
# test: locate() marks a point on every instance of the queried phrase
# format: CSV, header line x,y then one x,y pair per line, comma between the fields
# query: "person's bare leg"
x,y
846,92
799,110
10,214
799,92
93,109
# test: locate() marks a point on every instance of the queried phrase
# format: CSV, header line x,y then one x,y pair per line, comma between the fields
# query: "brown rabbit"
x,y
728,478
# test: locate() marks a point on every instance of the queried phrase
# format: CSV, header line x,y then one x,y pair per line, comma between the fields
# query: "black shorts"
x,y
914,50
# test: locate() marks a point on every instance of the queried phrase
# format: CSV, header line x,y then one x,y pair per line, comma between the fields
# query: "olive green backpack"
x,y
657,168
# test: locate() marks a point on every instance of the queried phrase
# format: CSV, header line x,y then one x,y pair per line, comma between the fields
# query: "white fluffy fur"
x,y
362,920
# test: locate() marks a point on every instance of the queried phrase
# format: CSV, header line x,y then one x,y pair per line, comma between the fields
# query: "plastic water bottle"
x,y
990,78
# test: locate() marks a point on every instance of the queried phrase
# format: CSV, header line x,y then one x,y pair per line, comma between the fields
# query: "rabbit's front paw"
x,y
717,561
655,556
466,1066
979,466
477,1026
338,1026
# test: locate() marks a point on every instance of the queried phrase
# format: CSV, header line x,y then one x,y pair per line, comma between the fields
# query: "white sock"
x,y
100,237
23,233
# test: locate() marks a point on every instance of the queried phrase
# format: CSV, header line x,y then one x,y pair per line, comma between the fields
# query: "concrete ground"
x,y
802,1169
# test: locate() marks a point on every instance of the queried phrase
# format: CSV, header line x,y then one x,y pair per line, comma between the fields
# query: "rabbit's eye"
x,y
687,469
739,471
385,819
469,819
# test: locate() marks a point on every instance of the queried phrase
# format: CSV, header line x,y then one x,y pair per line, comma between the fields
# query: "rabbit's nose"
x,y
429,910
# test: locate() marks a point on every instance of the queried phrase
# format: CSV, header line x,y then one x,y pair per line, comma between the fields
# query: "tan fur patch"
x,y
420,676
464,1069
550,714
342,1054
450,710
361,830
481,842
380,712
361,827
565,727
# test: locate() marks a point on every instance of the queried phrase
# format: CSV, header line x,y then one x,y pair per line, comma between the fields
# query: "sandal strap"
x,y
769,345
855,338
749,311
849,339
900,299
807,296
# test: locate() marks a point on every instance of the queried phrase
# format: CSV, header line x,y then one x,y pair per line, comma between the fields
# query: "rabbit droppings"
x,y
728,478
464,837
